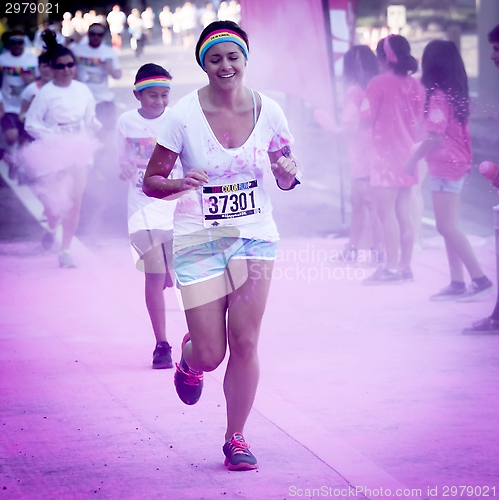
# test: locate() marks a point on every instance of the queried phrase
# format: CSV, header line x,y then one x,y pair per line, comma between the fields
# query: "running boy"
x,y
150,221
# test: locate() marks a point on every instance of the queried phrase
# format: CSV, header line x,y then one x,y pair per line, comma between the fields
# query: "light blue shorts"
x,y
441,185
208,260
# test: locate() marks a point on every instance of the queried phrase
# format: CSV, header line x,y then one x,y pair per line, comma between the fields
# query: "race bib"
x,y
140,177
229,204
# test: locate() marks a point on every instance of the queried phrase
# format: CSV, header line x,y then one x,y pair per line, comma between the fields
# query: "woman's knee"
x,y
244,346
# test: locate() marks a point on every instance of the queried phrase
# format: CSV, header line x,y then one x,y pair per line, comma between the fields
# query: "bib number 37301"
x,y
229,204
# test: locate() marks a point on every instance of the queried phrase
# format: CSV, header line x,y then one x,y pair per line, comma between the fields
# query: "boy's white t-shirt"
x,y
136,142
91,68
186,131
12,83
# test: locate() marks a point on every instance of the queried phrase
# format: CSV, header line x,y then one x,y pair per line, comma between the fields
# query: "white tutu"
x,y
56,152
48,166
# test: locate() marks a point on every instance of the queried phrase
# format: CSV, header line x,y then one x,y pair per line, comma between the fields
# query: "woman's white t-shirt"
x,y
56,109
187,132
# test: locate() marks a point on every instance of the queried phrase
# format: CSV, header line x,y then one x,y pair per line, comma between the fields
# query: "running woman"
x,y
225,239
150,221
62,121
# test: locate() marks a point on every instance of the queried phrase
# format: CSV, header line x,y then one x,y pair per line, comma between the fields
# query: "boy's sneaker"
x,y
188,383
474,291
383,276
65,259
162,356
448,293
237,454
485,326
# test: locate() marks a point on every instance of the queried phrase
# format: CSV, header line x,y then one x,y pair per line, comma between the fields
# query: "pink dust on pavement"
x,y
372,386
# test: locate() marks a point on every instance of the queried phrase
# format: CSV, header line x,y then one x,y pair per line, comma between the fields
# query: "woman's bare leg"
x,y
71,218
246,309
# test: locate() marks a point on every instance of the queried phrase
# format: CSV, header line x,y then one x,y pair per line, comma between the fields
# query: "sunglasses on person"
x,y
63,66
16,42
94,33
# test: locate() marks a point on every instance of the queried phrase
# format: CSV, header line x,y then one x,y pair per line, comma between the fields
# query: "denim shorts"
x,y
441,185
208,260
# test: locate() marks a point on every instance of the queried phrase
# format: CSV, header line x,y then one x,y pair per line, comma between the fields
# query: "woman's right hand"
x,y
194,179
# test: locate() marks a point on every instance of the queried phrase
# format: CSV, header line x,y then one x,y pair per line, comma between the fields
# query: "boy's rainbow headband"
x,y
153,81
221,36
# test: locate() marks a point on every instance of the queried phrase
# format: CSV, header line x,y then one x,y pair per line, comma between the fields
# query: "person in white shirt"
x,y
148,17
208,15
27,96
96,62
177,26
67,28
136,30
62,121
228,138
80,25
150,221
31,91
116,20
18,69
166,21
233,11
91,17
189,22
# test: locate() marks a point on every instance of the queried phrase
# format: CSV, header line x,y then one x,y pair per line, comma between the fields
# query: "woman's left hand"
x,y
284,171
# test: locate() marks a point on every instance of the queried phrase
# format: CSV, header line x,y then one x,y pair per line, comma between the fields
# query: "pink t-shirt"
x,y
360,144
452,158
394,105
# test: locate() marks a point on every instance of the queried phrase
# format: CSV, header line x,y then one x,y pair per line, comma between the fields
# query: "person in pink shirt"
x,y
447,150
359,66
393,108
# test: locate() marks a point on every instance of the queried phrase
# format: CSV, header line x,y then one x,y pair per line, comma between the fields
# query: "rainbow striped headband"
x,y
221,36
153,81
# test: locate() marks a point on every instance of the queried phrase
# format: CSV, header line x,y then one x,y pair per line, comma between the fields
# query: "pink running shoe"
x,y
188,383
237,454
